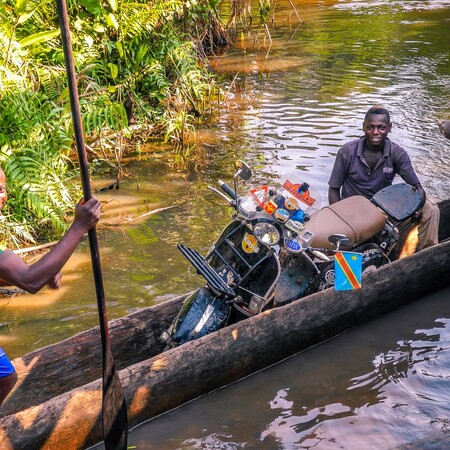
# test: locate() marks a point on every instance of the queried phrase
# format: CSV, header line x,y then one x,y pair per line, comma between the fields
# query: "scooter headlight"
x,y
267,233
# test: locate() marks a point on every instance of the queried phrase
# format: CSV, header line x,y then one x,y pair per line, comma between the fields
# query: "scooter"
x,y
280,246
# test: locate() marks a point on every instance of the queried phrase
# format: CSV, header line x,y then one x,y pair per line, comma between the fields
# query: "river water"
x,y
289,108
381,385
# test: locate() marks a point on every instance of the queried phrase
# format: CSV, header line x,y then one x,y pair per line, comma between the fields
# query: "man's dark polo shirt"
x,y
353,174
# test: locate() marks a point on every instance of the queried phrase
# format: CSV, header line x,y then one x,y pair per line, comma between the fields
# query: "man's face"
x,y
376,128
3,193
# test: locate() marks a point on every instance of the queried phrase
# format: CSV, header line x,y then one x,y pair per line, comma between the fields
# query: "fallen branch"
x,y
295,11
149,213
133,219
268,34
11,292
36,247
127,220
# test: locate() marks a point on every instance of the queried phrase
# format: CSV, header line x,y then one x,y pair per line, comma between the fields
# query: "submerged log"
x,y
167,380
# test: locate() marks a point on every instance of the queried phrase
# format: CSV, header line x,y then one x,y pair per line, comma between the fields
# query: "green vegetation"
x,y
140,70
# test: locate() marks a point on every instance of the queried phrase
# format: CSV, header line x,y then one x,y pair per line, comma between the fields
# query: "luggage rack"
x,y
207,267
399,201
204,269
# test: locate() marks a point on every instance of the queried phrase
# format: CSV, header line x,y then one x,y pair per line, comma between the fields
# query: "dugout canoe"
x,y
57,401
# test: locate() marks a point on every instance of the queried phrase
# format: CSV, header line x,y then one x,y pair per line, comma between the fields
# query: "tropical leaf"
x,y
114,70
112,21
38,38
93,6
113,4
20,6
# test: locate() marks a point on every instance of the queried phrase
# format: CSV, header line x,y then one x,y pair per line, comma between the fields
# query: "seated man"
x,y
370,163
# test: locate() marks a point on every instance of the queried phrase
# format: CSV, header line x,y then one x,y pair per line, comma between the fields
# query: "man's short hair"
x,y
377,109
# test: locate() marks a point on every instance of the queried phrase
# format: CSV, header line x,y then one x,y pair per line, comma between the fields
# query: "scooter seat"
x,y
355,217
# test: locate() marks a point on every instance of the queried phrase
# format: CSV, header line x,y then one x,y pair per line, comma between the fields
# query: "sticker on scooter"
x,y
293,245
260,195
299,216
226,275
250,244
205,316
291,203
306,236
282,215
300,192
295,225
271,207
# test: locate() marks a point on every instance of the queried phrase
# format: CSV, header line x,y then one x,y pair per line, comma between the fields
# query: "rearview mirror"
x,y
339,240
242,170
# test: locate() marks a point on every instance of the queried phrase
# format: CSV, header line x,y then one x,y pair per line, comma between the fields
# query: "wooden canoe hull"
x,y
67,411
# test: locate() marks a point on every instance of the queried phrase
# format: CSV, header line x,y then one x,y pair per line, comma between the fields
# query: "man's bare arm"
x,y
32,278
334,195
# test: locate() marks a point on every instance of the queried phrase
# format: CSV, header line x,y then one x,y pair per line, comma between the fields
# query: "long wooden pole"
x,y
114,410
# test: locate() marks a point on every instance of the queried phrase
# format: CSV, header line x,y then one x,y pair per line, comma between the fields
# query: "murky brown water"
x,y
361,390
290,108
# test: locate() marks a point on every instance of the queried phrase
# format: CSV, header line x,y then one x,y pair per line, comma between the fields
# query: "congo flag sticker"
x,y
347,270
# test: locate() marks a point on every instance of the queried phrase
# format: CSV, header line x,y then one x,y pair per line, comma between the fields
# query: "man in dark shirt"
x,y
370,163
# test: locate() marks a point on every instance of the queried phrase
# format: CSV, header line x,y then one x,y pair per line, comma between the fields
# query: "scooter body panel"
x,y
372,258
294,279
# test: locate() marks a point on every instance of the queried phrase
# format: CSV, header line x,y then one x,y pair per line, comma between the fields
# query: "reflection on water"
x,y
290,108
379,386
346,57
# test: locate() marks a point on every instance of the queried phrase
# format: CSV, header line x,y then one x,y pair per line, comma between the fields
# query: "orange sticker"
x,y
294,190
270,207
291,203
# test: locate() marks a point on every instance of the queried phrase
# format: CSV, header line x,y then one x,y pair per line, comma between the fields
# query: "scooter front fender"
x,y
202,313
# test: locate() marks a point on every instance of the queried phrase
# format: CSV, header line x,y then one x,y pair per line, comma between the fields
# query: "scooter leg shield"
x,y
201,314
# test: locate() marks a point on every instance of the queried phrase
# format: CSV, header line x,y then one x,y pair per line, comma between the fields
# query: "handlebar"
x,y
225,197
319,254
227,189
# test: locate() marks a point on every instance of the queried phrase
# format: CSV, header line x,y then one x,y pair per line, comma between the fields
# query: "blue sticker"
x,y
279,200
303,188
299,216
281,214
293,245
